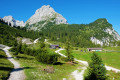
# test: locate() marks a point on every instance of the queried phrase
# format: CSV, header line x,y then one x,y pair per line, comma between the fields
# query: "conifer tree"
x,y
68,52
96,69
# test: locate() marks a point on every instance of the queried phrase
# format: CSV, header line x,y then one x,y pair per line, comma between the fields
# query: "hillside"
x,y
99,32
8,35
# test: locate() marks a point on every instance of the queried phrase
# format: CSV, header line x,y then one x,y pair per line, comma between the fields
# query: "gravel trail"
x,y
17,73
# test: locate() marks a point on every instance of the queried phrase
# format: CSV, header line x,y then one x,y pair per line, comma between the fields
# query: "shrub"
x,y
47,58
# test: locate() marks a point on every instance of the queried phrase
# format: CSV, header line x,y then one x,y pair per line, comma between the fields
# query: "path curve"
x,y
36,40
17,73
79,75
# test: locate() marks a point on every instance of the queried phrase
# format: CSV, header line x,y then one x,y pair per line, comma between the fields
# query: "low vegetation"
x,y
5,66
110,58
36,70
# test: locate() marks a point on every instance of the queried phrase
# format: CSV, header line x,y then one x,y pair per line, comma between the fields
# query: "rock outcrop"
x,y
12,22
106,40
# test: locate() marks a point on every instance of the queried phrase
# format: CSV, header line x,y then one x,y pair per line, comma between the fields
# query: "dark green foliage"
x,y
24,46
48,58
42,54
118,43
96,69
45,56
79,34
68,52
8,34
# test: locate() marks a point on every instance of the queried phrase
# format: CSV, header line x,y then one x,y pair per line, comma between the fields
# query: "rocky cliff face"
x,y
46,13
12,22
104,32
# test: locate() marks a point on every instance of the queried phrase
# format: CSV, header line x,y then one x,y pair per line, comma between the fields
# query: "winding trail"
x,y
17,73
79,75
36,40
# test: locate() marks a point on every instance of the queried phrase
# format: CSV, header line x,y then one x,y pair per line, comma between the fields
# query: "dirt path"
x,y
79,75
17,73
36,40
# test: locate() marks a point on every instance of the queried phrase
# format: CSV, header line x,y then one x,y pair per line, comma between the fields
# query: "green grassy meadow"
x,y
34,70
5,66
110,58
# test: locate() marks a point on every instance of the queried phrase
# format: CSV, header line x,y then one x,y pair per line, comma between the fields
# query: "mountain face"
x,y
104,32
12,22
43,16
84,35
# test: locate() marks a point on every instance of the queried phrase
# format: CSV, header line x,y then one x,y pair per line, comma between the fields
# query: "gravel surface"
x,y
17,73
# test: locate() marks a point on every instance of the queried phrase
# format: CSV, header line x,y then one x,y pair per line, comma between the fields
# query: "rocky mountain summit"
x,y
46,13
12,22
43,16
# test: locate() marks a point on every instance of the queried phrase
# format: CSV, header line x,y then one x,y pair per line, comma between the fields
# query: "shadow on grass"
x,y
58,63
9,57
5,68
24,58
13,70
1,56
19,69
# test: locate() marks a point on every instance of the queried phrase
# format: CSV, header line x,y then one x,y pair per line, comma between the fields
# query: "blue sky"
x,y
75,11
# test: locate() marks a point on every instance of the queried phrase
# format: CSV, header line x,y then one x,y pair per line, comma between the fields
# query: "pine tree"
x,y
68,52
96,69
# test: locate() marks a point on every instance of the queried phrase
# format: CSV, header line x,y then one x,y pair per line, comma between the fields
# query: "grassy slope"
x,y
109,58
5,66
34,69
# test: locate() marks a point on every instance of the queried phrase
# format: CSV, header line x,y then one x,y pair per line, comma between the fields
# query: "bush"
x,y
13,49
47,58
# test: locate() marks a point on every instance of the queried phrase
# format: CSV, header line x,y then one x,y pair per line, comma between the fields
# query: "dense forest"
x,y
78,34
9,34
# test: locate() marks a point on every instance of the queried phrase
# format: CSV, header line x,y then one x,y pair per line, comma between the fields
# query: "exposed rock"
x,y
20,23
45,13
106,40
12,22
112,32
96,41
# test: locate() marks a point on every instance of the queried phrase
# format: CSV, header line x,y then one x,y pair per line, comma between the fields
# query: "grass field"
x,y
34,70
5,66
109,58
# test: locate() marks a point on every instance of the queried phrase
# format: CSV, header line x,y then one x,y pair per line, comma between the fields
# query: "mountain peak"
x,y
101,20
12,22
44,13
8,19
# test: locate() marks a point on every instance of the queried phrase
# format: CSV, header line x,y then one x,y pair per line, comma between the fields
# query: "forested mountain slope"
x,y
84,35
9,34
